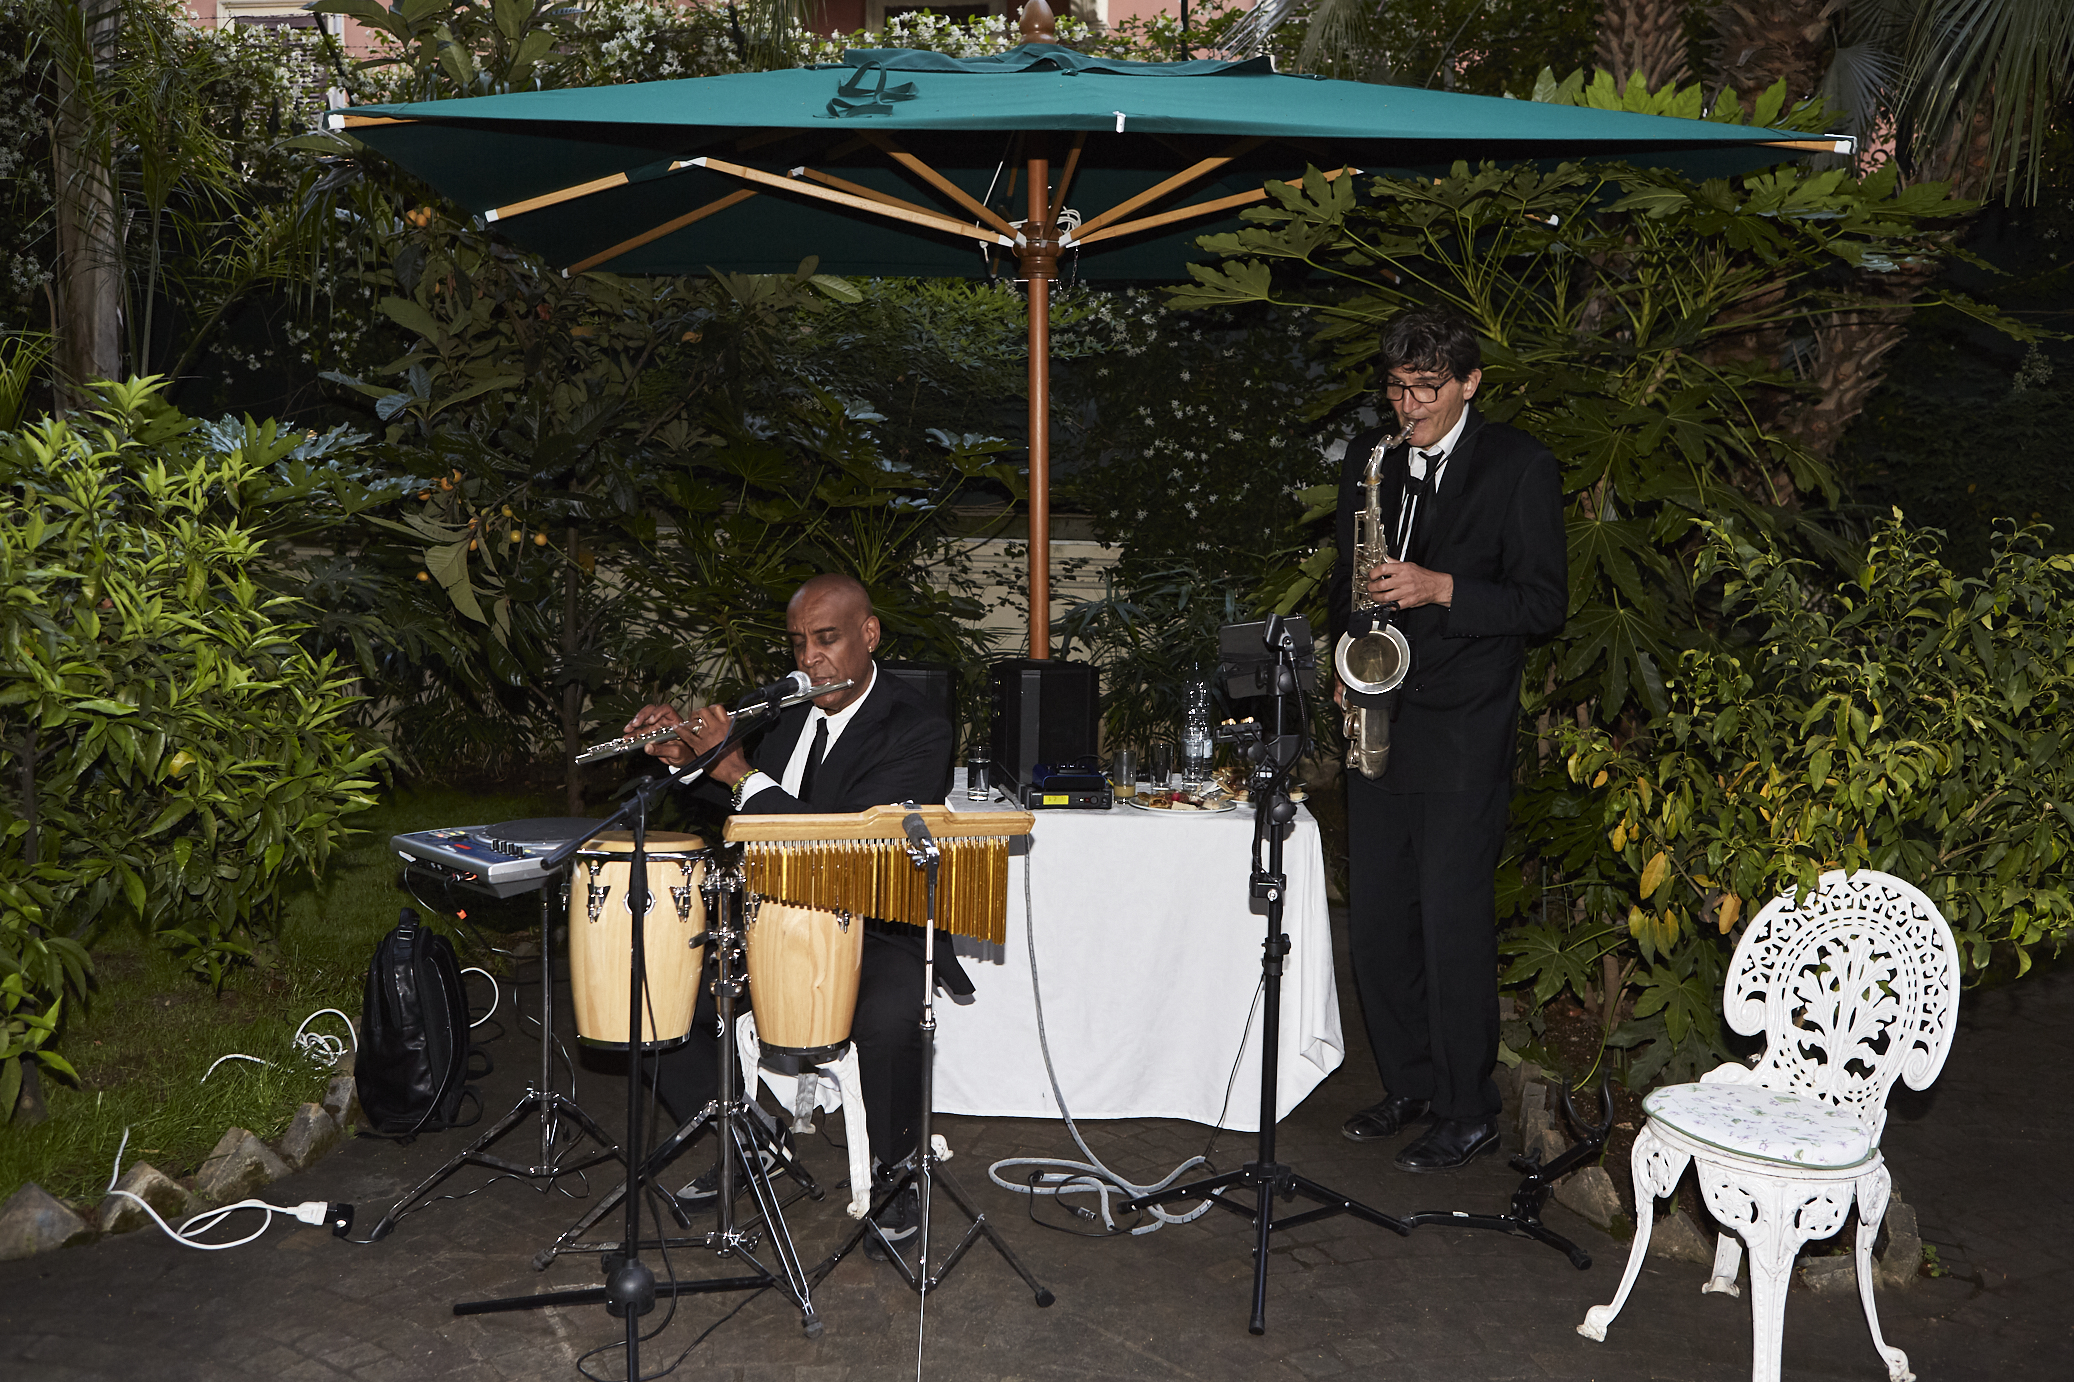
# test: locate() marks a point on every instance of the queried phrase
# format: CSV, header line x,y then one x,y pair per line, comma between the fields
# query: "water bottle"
x,y
1197,748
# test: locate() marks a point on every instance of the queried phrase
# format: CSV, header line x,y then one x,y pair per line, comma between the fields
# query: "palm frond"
x,y
2007,62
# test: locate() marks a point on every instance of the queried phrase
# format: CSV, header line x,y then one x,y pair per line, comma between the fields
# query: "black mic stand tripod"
x,y
630,1288
1274,756
923,1169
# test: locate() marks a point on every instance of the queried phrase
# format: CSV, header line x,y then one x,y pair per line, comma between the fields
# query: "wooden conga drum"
x,y
601,937
804,965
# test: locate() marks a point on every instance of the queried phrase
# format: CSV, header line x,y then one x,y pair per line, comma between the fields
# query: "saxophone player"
x,y
1473,510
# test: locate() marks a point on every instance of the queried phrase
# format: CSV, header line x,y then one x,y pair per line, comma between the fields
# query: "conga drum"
x,y
804,964
601,937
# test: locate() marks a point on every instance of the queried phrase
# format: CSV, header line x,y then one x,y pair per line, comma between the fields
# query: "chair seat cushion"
x,y
1769,1124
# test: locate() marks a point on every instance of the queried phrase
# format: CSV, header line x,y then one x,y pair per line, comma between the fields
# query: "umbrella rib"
x,y
555,198
1058,202
1833,144
1186,213
828,194
1179,180
856,189
940,183
666,228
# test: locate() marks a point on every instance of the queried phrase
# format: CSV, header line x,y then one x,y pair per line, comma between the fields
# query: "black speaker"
x,y
1044,712
934,682
937,684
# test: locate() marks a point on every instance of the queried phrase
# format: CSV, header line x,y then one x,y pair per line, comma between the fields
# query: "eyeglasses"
x,y
1420,393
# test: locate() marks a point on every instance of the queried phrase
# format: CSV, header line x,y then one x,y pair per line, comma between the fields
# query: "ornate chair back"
x,y
1852,985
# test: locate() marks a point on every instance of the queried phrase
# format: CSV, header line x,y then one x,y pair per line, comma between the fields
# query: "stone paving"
x,y
1345,1300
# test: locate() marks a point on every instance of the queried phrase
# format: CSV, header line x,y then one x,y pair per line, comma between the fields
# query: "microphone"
x,y
792,684
921,845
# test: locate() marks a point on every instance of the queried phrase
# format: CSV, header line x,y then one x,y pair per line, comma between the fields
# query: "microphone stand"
x,y
923,1168
630,1287
1274,757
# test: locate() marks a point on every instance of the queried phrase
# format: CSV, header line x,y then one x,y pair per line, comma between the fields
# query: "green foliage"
x,y
148,1035
1187,458
172,754
1909,720
182,117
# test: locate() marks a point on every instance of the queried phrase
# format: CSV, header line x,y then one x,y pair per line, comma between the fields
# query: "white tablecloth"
x,y
1150,963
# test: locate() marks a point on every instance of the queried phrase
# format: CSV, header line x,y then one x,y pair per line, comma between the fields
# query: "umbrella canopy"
x,y
906,162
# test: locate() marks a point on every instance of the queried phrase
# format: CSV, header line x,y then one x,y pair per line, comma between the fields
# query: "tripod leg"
x,y
503,1126
1264,1224
956,1192
795,1281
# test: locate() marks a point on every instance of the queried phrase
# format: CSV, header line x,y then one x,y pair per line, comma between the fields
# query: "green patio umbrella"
x,y
912,163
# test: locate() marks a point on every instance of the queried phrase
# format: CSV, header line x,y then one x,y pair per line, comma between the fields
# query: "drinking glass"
x,y
1161,769
977,787
1123,773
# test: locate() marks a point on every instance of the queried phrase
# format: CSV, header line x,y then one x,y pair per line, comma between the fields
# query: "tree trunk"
x,y
1646,36
1756,42
30,1108
88,278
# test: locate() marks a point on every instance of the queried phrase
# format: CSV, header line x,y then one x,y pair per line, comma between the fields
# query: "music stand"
x,y
1273,749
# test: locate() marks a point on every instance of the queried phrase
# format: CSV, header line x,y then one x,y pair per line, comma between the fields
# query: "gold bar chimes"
x,y
860,864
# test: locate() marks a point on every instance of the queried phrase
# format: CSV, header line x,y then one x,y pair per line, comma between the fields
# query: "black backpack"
x,y
411,1066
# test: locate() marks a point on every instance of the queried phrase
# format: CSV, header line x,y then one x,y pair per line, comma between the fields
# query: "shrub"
x,y
169,752
1909,720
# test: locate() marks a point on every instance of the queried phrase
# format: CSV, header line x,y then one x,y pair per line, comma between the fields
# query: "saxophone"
x,y
1373,661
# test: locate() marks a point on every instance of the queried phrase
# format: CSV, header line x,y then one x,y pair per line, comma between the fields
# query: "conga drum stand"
x,y
542,1099
737,1121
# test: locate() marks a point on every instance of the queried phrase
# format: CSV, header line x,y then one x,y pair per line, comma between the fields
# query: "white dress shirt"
x,y
796,766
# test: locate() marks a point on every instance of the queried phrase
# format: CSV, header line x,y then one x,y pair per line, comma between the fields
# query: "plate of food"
x,y
1177,802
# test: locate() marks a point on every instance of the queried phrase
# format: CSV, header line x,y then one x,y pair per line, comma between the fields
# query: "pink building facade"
x,y
836,16
846,16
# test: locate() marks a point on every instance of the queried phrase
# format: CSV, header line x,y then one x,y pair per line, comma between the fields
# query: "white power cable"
x,y
1082,1177
495,994
313,1212
235,1055
321,1049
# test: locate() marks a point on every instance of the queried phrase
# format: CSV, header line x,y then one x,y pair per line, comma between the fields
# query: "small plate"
x,y
1135,804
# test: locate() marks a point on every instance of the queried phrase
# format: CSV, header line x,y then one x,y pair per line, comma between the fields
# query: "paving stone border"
x,y
33,1220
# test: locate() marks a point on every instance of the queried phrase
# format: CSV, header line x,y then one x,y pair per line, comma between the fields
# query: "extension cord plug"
x,y
317,1212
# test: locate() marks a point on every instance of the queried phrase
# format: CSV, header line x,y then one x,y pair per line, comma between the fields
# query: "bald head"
x,y
833,635
845,593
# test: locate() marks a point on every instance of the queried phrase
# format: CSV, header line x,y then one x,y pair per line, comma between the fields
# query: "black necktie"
x,y
806,779
1418,494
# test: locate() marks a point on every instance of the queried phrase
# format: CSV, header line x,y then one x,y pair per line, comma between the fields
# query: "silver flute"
x,y
612,748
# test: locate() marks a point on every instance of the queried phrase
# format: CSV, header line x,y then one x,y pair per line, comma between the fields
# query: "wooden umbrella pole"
x,y
1039,257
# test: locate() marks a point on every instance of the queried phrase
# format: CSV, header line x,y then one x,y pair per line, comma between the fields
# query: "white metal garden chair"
x,y
1852,986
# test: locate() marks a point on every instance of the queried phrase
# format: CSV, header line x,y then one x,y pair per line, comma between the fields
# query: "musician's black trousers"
x,y
1422,923
887,1032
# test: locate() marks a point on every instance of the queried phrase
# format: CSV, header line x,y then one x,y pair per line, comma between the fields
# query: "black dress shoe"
x,y
1387,1119
1451,1143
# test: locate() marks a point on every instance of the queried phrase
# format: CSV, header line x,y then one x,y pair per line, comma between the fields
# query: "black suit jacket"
x,y
898,748
1496,526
